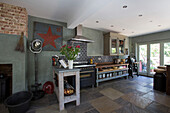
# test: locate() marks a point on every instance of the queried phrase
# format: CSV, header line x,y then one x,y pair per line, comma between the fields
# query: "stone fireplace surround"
x,y
8,55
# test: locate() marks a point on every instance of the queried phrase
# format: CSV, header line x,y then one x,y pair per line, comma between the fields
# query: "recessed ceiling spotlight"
x,y
132,32
125,6
159,25
111,26
140,15
97,21
123,29
150,21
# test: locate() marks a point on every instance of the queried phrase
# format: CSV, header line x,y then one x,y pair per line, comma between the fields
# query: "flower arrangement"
x,y
70,52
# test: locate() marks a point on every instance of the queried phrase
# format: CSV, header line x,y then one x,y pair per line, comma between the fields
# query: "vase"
x,y
70,64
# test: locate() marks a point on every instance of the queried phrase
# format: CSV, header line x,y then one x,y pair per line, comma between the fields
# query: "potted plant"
x,y
70,53
151,69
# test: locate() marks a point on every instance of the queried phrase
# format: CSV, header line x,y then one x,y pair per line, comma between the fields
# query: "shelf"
x,y
112,70
70,98
114,77
110,65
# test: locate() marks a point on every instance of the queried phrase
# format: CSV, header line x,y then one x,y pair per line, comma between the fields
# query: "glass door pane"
x,y
121,46
167,53
143,58
154,57
114,46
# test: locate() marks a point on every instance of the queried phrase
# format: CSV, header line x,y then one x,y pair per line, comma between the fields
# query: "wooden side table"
x,y
61,73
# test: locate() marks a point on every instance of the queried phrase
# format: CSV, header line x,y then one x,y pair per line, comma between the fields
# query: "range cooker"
x,y
87,73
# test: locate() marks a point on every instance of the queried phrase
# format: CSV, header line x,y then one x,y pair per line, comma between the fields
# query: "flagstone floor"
x,y
133,95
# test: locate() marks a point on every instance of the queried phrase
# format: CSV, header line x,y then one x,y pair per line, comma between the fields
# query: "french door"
x,y
143,58
150,55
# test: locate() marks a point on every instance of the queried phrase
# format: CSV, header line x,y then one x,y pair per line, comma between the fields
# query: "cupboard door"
x,y
121,47
113,48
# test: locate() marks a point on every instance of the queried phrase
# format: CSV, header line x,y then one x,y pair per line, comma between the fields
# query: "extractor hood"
x,y
79,37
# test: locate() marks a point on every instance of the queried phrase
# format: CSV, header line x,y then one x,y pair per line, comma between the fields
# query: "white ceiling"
x,y
155,14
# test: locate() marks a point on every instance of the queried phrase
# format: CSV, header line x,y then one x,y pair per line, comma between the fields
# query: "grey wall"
x,y
160,36
44,58
24,63
95,48
8,55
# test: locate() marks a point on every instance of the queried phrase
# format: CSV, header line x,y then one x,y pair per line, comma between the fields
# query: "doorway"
x,y
152,54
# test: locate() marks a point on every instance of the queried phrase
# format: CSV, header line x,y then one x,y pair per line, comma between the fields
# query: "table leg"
x,y
61,91
78,88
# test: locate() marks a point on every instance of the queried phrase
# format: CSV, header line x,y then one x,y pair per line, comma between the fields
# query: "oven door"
x,y
87,78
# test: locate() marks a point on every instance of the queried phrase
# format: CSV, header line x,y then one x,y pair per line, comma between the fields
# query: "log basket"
x,y
68,89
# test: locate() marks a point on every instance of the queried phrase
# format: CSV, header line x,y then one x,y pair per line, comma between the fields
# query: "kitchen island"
x,y
59,74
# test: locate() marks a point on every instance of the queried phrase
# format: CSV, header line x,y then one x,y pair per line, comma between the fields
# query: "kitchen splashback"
x,y
83,54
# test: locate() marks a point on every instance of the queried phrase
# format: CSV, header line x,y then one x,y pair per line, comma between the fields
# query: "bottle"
x,y
91,61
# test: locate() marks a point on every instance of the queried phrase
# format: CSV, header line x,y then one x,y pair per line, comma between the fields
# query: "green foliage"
x,y
113,50
151,67
70,52
167,49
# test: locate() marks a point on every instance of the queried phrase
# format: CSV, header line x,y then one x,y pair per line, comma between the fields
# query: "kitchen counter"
x,y
56,69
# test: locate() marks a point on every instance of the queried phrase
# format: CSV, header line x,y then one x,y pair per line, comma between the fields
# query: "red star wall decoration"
x,y
49,38
50,35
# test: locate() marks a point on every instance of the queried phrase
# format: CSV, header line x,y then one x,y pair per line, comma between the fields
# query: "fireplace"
x,y
5,80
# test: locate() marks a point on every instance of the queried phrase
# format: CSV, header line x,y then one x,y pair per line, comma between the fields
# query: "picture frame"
x,y
50,35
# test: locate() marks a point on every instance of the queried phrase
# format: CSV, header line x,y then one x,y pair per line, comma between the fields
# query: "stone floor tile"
x,y
121,101
104,105
87,96
155,107
141,88
149,86
126,90
43,102
92,111
162,99
83,107
111,93
52,98
3,109
119,86
141,83
137,100
31,111
50,109
130,108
